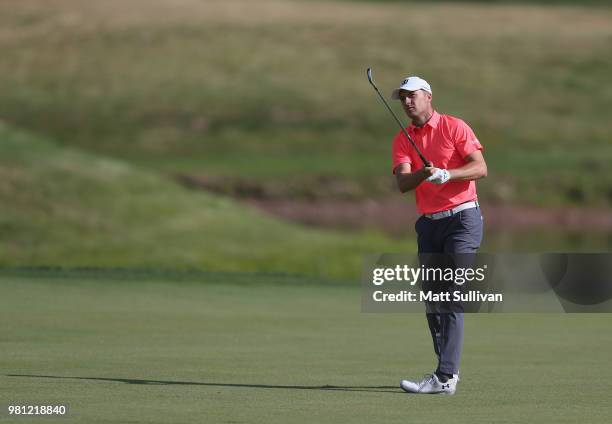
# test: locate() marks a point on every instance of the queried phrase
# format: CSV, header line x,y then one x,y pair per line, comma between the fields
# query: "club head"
x,y
369,72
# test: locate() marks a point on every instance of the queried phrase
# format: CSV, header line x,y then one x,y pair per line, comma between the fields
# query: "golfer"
x,y
450,220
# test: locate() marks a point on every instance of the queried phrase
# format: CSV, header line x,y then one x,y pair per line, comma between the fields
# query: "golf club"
x,y
425,161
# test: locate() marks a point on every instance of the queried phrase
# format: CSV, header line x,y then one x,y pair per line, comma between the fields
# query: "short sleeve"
x,y
465,140
400,153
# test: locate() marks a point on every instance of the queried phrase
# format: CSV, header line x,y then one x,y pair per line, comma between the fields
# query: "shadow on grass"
x,y
378,389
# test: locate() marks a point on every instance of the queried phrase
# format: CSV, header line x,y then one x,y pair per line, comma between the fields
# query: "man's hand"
x,y
408,180
427,171
438,176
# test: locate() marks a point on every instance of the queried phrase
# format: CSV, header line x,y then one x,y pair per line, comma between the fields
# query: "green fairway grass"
x,y
250,348
281,91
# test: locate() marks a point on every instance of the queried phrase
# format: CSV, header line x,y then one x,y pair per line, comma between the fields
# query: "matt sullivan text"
x,y
427,296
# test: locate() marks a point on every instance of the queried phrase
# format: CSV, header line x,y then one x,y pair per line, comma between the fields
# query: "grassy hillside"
x,y
65,208
280,91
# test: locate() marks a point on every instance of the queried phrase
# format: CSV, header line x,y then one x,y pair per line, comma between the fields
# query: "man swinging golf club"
x,y
450,221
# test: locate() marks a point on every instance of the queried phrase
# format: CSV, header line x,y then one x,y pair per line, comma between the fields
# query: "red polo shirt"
x,y
445,141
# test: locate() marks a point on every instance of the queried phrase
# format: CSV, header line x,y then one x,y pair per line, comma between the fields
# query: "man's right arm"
x,y
408,180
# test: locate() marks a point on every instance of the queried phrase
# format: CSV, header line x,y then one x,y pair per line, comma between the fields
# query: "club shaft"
x,y
425,161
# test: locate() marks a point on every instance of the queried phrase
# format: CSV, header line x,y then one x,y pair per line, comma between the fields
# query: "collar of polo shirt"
x,y
432,122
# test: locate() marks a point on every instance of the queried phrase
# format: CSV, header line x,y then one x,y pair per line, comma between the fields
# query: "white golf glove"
x,y
440,176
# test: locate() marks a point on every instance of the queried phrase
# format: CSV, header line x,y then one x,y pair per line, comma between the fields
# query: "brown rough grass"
x,y
455,18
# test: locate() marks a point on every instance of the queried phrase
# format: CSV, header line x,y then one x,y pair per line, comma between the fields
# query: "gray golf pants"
x,y
460,233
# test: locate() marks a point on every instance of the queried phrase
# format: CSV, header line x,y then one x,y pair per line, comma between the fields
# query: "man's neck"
x,y
422,120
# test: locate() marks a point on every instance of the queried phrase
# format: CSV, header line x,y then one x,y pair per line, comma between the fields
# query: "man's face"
x,y
415,103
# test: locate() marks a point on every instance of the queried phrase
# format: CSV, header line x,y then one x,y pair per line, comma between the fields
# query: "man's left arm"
x,y
475,168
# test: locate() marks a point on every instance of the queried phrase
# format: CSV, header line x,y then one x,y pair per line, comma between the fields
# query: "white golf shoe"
x,y
431,385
